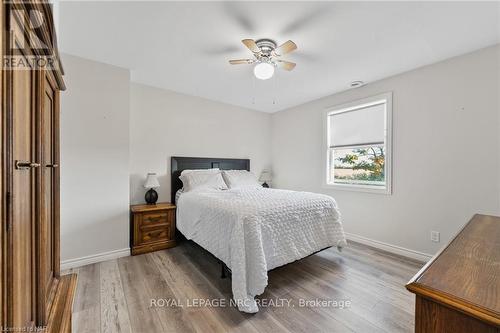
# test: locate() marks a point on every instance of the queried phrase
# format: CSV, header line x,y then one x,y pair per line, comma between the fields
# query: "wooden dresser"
x,y
459,289
152,227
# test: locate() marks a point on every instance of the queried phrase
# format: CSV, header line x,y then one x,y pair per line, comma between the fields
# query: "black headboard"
x,y
178,164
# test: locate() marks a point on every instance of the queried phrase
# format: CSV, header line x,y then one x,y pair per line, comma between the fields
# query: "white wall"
x,y
165,124
446,152
114,132
94,158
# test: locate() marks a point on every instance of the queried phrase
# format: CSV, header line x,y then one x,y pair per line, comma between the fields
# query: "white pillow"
x,y
202,179
240,178
184,172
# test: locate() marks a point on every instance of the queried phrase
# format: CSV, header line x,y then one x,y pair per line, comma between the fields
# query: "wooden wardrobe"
x,y
33,292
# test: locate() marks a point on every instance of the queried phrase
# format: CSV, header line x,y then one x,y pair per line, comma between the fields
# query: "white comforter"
x,y
255,230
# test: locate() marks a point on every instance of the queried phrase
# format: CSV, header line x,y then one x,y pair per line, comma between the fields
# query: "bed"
x,y
253,230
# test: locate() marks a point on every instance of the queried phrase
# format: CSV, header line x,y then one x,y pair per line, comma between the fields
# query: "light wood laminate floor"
x,y
115,295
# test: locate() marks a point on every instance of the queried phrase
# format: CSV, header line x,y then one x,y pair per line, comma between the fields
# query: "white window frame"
x,y
366,102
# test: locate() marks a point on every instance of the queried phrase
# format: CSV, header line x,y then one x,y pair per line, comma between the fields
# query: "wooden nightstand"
x,y
152,227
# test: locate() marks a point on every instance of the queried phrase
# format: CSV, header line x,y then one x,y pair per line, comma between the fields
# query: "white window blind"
x,y
363,126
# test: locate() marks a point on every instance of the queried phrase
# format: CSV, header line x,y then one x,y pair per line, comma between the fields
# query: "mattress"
x,y
253,230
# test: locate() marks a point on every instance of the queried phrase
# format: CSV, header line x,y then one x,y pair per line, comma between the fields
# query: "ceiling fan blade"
x,y
250,43
286,65
241,61
285,48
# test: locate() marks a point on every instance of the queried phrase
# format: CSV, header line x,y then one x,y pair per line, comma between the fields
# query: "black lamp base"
x,y
265,185
151,197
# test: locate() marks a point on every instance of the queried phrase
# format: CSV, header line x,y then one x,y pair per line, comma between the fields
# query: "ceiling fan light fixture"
x,y
263,71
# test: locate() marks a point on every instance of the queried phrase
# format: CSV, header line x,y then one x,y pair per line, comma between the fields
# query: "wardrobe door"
x,y
35,293
21,265
49,231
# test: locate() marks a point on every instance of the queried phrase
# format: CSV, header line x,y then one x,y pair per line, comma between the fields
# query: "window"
x,y
358,148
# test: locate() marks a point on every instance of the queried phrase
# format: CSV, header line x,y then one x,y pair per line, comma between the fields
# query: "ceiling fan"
x,y
267,57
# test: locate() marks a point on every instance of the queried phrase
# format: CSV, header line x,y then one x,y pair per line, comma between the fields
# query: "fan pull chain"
x,y
275,88
254,88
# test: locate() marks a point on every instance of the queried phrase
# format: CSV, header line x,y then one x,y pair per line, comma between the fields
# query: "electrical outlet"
x,y
435,236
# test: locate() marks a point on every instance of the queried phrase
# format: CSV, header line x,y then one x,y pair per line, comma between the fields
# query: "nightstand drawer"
x,y
155,218
154,234
152,227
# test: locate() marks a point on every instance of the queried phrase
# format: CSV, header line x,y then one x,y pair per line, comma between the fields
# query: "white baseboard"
x,y
416,255
87,260
420,256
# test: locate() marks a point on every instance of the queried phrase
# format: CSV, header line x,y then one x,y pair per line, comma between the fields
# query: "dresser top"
x,y
149,208
466,273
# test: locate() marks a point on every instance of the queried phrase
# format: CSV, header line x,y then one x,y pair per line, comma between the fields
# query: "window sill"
x,y
359,188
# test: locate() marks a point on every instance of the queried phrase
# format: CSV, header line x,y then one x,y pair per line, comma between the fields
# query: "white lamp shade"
x,y
265,176
151,181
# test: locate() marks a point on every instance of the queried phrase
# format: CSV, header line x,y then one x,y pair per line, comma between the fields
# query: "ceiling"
x,y
185,46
